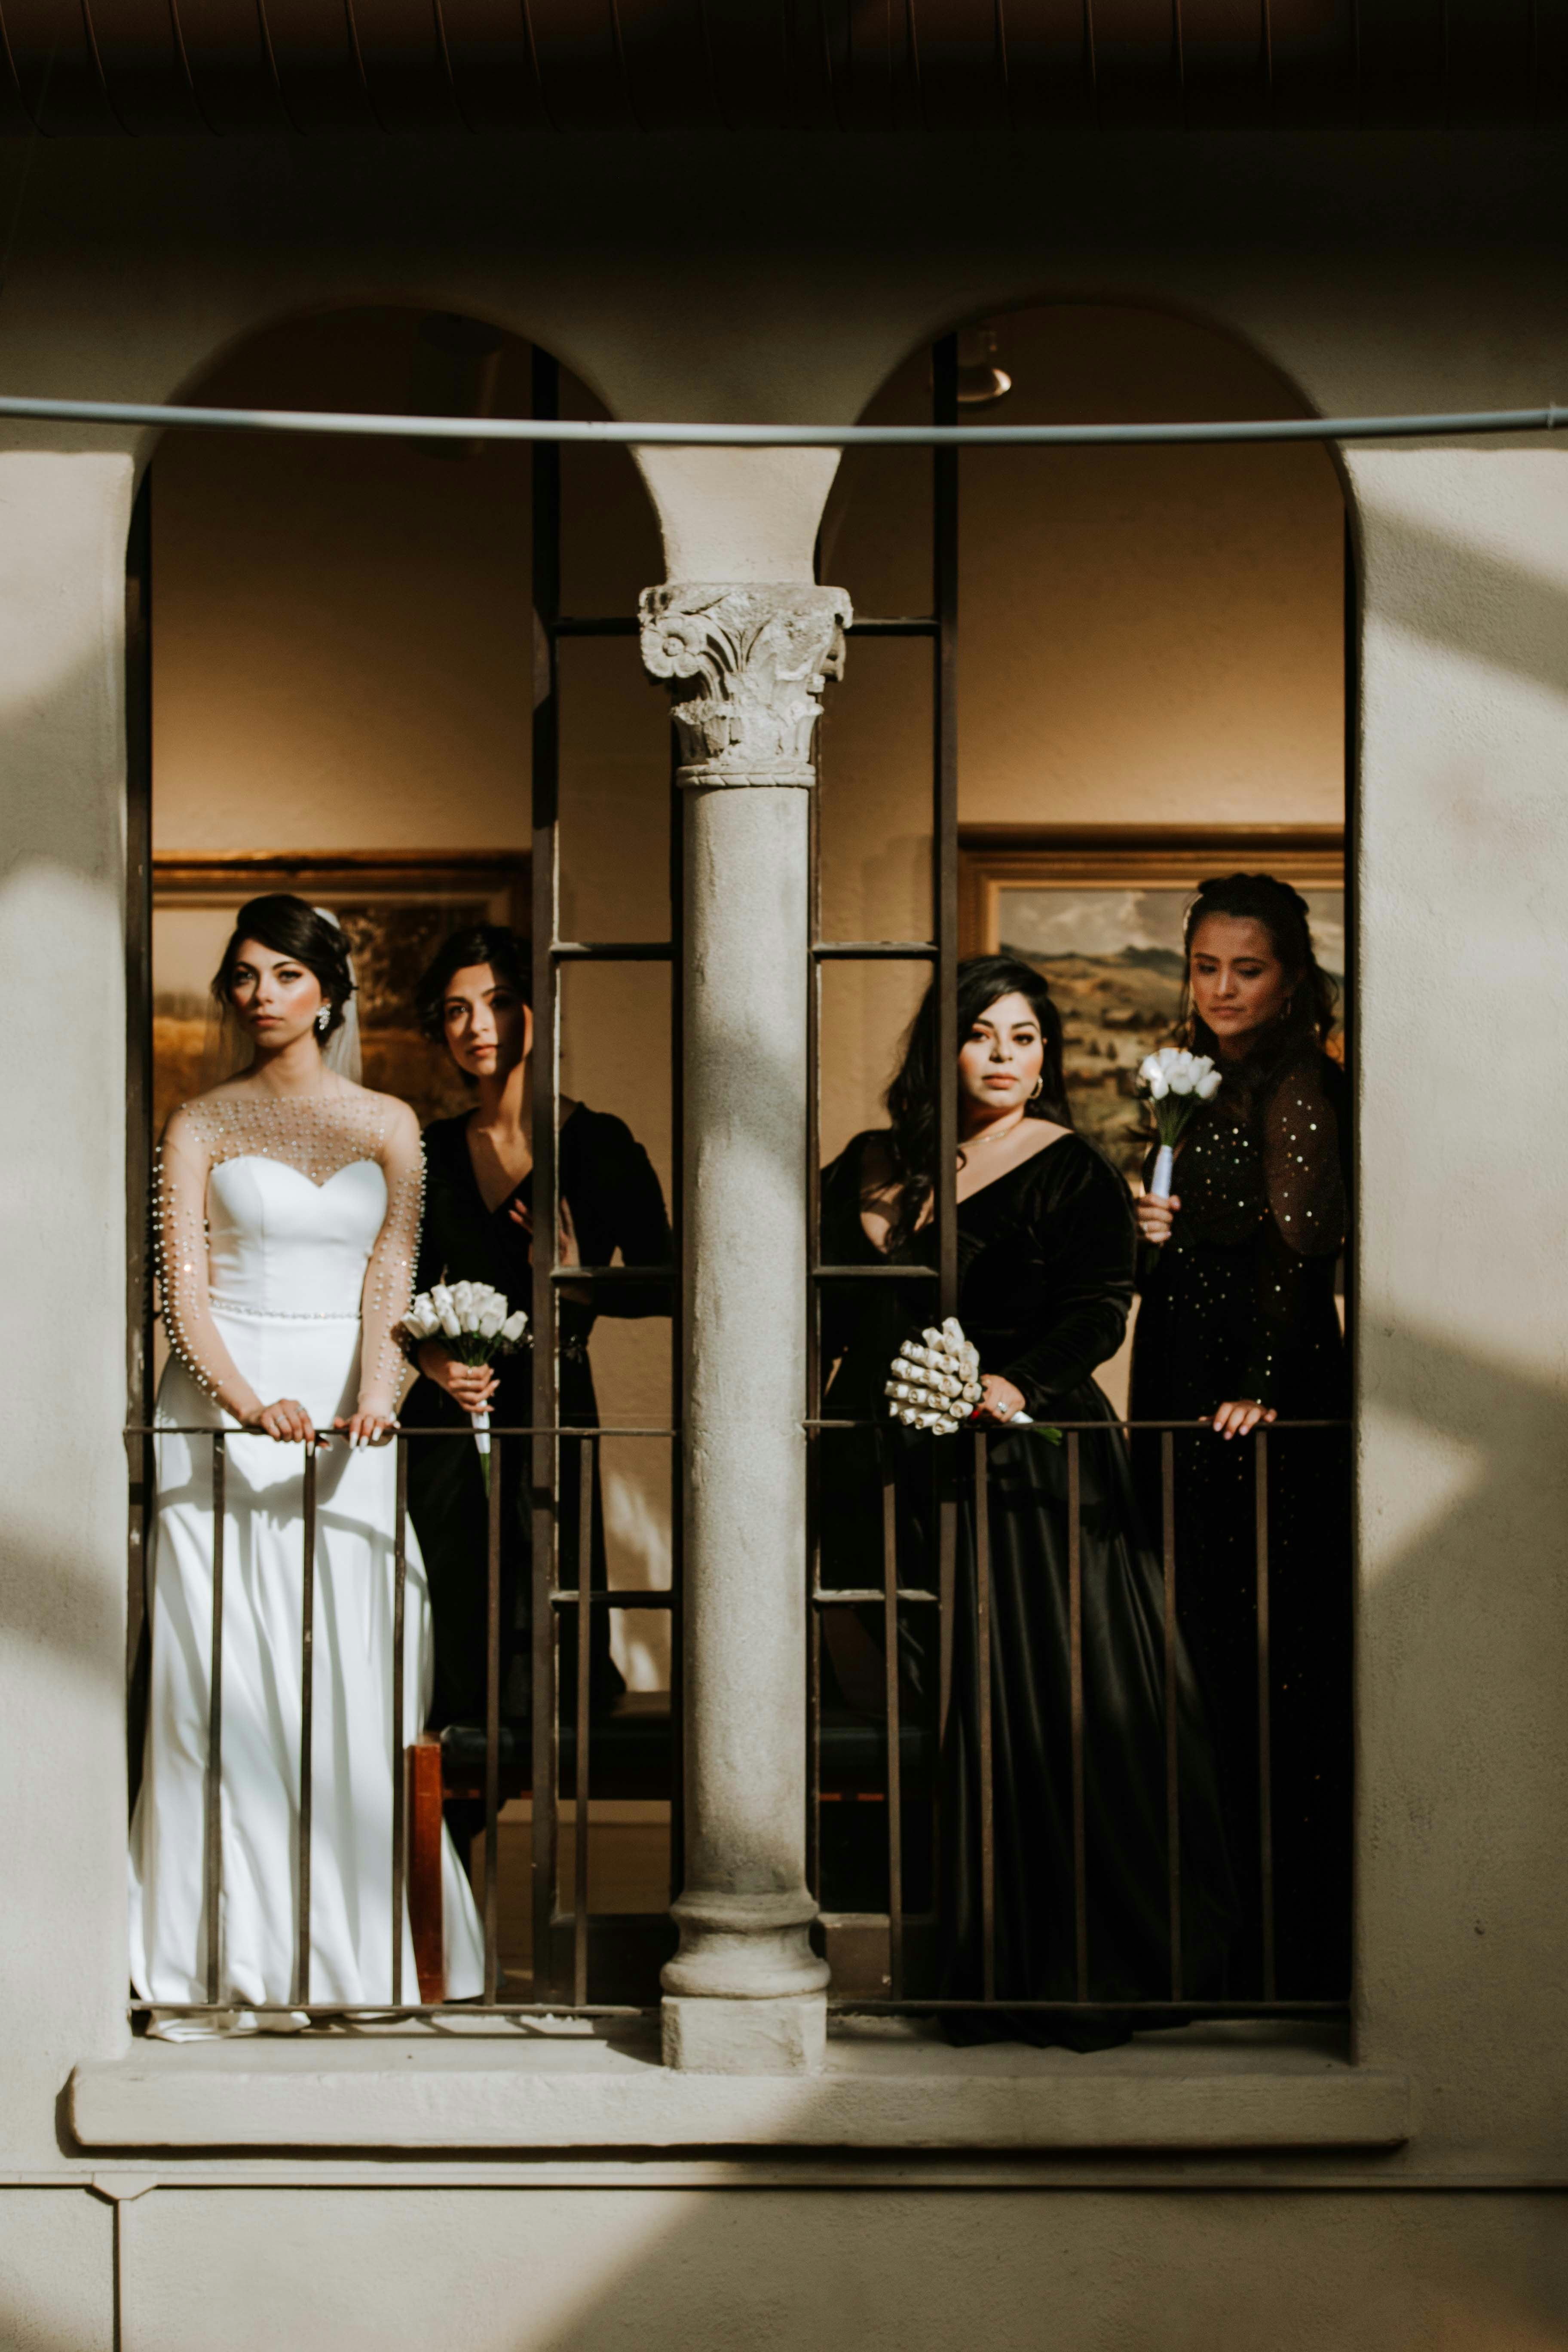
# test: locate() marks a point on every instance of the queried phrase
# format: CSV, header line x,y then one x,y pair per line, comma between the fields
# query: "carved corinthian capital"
x,y
747,666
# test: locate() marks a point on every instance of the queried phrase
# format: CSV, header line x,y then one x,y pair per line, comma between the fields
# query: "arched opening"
x,y
1080,680
400,680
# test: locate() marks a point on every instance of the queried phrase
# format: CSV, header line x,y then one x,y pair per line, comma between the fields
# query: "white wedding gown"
x,y
287,1232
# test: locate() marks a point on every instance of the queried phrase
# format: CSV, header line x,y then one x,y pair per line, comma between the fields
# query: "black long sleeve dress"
x,y
616,1204
1240,1303
1046,1259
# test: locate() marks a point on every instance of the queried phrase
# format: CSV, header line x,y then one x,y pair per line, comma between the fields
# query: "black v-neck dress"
x,y
1045,1263
609,1186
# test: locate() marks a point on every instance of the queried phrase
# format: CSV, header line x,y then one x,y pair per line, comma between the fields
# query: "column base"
x,y
711,2036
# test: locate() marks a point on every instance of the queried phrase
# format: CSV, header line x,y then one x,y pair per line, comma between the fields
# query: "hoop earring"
x,y
1039,1088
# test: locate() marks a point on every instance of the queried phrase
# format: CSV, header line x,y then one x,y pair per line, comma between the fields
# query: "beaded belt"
x,y
273,1314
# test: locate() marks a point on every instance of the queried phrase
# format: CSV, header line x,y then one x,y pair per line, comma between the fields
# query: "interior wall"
x,y
1146,637
343,660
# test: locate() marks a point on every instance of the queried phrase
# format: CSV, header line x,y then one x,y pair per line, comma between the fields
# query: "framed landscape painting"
x,y
394,906
1100,913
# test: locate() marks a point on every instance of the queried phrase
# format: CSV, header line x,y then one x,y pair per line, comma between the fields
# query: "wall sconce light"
x,y
980,380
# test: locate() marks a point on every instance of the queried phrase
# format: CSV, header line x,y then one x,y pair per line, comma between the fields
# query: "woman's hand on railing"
x,y
287,1420
368,1425
1242,1417
999,1401
470,1385
1154,1216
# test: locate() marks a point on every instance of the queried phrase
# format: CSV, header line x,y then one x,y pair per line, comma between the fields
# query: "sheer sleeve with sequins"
x,y
184,1160
1303,1170
389,1276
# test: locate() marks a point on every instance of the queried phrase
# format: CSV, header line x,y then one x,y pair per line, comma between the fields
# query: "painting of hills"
x,y
1114,959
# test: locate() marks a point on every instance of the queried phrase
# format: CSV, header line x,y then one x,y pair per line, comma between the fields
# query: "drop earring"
x,y
322,1017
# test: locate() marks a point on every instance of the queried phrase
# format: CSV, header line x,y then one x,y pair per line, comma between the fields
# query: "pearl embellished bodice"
x,y
286,1207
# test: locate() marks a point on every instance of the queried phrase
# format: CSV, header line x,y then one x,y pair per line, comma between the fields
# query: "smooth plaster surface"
x,y
760,278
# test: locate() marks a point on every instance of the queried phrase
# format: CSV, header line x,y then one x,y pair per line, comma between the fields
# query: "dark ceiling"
x,y
149,67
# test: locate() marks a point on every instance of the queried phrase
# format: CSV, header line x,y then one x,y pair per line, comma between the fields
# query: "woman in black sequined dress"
x,y
1046,1243
478,1227
1237,1328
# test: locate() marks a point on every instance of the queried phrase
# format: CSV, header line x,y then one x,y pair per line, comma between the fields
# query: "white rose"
x,y
1158,1090
1150,1069
445,1312
1182,1082
1207,1088
514,1326
491,1322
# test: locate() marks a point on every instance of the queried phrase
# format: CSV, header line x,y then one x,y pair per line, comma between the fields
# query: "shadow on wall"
x,y
706,2270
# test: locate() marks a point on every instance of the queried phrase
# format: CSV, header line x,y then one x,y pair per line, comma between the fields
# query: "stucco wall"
x,y
1381,274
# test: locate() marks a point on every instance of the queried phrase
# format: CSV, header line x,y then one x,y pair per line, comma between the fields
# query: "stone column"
x,y
745,1993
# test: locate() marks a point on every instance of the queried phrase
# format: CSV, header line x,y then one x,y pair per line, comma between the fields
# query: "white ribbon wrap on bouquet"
x,y
481,1421
1165,1169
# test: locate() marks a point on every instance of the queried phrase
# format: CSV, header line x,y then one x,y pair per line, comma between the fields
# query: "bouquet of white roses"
x,y
934,1383
475,1323
1175,1084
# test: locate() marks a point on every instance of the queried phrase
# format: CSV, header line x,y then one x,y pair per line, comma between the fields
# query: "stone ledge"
x,y
581,2091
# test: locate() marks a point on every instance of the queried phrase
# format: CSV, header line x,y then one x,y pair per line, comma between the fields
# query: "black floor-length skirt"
x,y
1118,1873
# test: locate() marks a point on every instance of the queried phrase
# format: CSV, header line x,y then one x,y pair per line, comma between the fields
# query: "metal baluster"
x,y
399,1730
584,1696
492,1725
1264,1737
982,1662
1172,1754
307,1722
944,823
215,1730
1074,1645
546,488
895,1784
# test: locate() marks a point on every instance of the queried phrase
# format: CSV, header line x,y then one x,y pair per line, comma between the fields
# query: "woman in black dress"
x,y
1046,1243
1237,1328
478,1227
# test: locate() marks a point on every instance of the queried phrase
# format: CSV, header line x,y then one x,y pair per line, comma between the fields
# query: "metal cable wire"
x,y
1439,426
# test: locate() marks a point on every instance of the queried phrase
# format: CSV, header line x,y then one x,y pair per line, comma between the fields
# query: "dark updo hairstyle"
x,y
291,928
492,943
1308,1017
913,1097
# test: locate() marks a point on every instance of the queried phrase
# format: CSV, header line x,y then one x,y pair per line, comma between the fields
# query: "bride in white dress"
x,y
288,1213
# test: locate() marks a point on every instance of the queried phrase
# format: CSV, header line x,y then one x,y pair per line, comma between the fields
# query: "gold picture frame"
x,y
394,906
1098,911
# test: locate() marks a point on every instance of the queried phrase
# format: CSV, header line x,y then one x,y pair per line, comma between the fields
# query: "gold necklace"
x,y
974,1141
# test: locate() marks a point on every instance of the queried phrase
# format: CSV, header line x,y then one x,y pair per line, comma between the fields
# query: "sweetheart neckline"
x,y
269,1160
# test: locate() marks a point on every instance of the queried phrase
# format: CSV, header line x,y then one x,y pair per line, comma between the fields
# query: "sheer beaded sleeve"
x,y
389,1276
1304,1177
184,1159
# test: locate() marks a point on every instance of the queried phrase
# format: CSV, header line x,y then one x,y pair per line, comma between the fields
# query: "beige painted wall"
x,y
1354,263
557,2268
1147,636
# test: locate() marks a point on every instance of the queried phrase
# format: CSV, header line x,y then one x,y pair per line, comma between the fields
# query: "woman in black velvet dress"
x,y
1237,1328
1045,1255
478,1227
